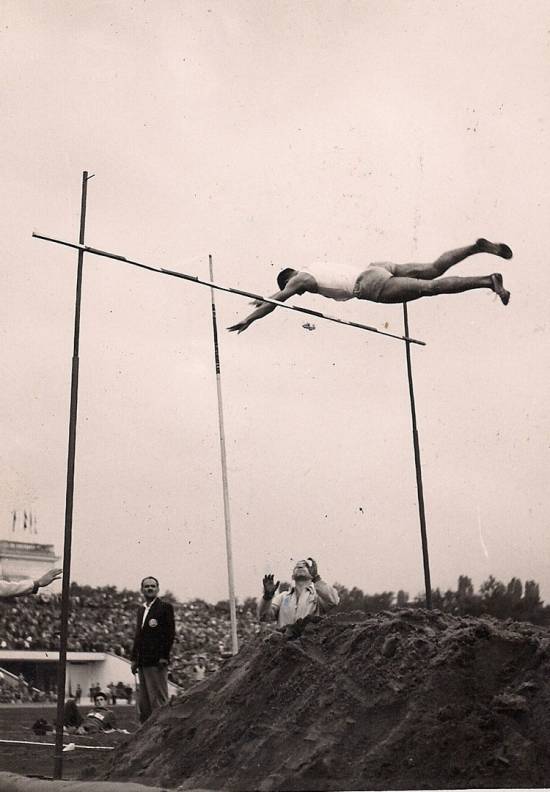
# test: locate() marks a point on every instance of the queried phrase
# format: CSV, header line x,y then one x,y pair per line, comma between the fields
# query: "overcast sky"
x,y
274,134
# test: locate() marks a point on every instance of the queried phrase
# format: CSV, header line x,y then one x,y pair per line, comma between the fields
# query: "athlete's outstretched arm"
x,y
294,286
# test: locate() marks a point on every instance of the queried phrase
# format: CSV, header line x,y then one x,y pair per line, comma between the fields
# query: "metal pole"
x,y
65,592
226,511
251,295
420,490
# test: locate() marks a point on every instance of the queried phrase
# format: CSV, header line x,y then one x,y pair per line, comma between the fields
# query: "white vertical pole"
x,y
226,510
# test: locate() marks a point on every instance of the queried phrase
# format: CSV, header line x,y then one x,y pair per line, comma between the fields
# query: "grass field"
x,y
38,760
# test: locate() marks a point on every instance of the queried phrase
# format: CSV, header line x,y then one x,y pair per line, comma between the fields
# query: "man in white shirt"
x,y
385,282
310,596
16,588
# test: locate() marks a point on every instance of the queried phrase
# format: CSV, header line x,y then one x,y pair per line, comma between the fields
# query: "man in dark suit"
x,y
155,630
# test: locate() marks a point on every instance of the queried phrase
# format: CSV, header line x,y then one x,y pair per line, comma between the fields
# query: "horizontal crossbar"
x,y
195,279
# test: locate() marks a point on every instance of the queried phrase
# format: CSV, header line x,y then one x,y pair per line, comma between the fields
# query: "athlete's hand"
x,y
163,662
313,571
269,587
239,327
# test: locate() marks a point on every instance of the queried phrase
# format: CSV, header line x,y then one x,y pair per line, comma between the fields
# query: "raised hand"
x,y
269,587
313,571
48,577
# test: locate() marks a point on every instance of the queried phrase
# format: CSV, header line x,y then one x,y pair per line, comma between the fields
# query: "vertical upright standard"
x,y
226,511
418,467
65,594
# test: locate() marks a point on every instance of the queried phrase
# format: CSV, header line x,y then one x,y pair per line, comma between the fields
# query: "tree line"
x,y
513,600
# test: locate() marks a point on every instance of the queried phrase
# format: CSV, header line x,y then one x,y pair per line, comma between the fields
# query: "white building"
x,y
27,559
83,668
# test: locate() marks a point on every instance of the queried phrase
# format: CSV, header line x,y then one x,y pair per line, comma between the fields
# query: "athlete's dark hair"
x,y
284,276
149,577
99,693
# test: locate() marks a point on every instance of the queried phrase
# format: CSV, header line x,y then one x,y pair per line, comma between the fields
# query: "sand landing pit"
x,y
398,700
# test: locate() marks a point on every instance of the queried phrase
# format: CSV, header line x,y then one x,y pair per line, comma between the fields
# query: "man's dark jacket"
x,y
154,640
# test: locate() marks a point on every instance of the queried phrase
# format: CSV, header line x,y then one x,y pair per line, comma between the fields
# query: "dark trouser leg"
x,y
144,705
156,682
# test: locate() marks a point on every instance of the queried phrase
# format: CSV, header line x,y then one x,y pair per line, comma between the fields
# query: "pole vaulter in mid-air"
x,y
384,282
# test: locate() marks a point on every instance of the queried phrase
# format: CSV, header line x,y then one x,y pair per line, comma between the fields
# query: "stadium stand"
x,y
103,620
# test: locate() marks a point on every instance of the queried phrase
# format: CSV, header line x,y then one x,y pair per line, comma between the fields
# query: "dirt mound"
x,y
399,700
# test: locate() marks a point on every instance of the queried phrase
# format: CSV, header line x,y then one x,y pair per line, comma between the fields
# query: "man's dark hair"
x,y
100,694
149,577
284,276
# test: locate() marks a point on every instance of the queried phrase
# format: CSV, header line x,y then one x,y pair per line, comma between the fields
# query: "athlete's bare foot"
x,y
496,248
498,288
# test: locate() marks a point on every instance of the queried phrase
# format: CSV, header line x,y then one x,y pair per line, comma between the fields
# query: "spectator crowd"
x,y
103,620
18,691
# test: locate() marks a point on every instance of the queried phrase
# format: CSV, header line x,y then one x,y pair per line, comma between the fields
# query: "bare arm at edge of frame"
x,y
298,284
17,588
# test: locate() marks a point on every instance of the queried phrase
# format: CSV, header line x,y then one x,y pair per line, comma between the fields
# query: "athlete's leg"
x,y
440,266
396,290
